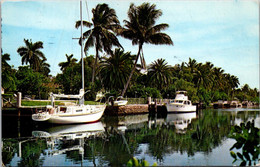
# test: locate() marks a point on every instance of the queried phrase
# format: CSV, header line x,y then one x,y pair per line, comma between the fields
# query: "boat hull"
x,y
84,118
180,108
120,103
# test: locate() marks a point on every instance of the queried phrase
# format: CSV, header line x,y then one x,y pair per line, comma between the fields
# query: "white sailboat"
x,y
180,103
69,113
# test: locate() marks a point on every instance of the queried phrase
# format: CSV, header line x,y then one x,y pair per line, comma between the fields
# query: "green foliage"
x,y
70,79
31,152
142,91
247,138
8,74
114,70
159,74
29,82
138,162
70,62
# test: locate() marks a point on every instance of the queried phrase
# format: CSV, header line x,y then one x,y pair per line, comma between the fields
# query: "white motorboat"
x,y
180,103
120,102
70,113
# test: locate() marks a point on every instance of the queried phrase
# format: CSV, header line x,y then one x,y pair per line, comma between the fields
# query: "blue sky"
x,y
225,33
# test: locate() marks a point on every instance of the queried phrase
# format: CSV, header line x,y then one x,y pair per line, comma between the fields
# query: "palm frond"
x,y
85,23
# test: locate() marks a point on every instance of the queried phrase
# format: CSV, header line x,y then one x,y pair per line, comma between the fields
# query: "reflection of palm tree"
x,y
31,54
159,74
141,29
70,61
115,69
31,152
101,35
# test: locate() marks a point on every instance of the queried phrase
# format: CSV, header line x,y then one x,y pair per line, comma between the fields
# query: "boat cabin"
x,y
185,102
181,95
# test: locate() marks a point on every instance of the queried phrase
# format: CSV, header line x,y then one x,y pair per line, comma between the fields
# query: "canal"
x,y
187,139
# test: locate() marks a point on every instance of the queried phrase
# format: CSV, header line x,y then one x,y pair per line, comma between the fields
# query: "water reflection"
x,y
179,120
170,139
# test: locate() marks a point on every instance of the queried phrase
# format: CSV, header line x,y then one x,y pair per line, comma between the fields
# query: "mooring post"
x,y
149,100
155,105
19,100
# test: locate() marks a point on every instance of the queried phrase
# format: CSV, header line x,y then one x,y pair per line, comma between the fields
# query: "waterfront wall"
x,y
127,110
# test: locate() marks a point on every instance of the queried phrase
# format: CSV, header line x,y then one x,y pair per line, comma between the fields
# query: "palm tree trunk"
x,y
133,70
95,64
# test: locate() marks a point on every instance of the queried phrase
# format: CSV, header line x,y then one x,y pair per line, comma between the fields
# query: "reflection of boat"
x,y
72,131
69,113
120,102
72,135
180,103
180,120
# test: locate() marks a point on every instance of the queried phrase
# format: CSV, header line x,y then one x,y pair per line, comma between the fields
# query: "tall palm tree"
x,y
102,35
115,70
141,29
32,54
159,74
70,61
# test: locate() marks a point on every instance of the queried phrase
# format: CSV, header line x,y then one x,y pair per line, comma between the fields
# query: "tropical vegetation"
x,y
118,71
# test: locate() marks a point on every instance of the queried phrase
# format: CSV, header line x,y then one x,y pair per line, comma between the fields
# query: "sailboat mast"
x,y
81,31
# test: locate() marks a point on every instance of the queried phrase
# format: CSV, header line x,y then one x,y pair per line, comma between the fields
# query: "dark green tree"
x,y
29,82
115,69
8,74
70,62
44,68
160,74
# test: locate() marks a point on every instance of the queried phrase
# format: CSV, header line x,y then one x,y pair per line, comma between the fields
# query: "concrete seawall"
x,y
127,110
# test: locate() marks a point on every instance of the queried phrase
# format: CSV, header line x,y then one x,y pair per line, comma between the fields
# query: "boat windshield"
x,y
181,92
187,102
178,101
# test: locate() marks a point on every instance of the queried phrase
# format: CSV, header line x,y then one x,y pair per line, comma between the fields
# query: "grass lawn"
x,y
44,103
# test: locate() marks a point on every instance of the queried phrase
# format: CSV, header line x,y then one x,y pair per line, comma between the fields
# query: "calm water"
x,y
169,139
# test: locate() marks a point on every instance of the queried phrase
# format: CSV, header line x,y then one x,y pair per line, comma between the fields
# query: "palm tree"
x,y
70,61
203,76
31,54
159,74
115,70
44,68
105,23
5,58
8,81
141,29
